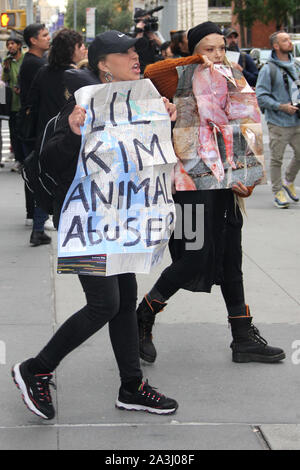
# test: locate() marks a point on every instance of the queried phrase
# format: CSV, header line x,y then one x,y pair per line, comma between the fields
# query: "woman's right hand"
x,y
207,63
76,119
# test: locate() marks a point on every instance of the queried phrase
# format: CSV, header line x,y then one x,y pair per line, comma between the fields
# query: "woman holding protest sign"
x,y
219,260
110,299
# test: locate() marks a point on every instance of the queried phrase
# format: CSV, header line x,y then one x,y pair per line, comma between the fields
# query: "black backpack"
x,y
273,68
37,178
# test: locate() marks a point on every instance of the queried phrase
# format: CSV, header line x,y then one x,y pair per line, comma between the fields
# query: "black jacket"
x,y
30,66
250,70
47,94
60,154
75,79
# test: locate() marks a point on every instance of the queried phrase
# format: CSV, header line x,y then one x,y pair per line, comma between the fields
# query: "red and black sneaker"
x,y
146,398
35,390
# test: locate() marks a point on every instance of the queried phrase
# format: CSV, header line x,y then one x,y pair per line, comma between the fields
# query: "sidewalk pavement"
x,y
222,405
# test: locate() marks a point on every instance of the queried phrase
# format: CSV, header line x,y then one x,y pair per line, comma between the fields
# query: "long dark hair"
x,y
176,39
63,47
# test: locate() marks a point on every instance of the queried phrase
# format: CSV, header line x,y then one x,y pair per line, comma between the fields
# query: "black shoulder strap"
x,y
295,80
272,68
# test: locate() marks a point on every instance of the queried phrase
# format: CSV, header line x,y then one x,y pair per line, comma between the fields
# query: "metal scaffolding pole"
x,y
75,15
29,11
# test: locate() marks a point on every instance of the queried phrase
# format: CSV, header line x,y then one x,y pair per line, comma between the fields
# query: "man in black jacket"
x,y
37,38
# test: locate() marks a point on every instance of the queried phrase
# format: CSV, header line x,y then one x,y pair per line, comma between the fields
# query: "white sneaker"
x,y
17,167
28,222
49,224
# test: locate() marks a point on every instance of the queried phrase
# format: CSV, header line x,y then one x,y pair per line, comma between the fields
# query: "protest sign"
x,y
218,134
119,213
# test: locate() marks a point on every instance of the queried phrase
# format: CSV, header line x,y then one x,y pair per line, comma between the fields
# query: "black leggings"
x,y
110,299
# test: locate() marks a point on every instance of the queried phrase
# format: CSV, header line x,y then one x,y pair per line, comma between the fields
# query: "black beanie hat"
x,y
200,31
14,39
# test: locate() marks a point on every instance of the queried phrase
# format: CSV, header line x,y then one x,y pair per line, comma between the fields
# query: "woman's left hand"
x,y
171,109
245,191
241,189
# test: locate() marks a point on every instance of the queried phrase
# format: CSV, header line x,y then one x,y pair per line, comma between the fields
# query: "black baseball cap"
x,y
230,31
110,42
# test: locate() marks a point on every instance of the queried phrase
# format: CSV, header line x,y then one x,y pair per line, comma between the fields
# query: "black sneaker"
x,y
146,398
39,238
35,390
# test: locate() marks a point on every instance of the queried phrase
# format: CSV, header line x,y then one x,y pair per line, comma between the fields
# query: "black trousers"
x,y
219,261
110,300
14,139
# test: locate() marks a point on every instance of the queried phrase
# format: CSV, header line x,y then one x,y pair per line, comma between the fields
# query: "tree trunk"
x,y
242,29
249,37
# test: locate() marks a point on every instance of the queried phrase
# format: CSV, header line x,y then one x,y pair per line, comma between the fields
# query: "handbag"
x,y
27,123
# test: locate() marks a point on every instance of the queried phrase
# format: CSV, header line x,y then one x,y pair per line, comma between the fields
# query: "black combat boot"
x,y
248,345
146,316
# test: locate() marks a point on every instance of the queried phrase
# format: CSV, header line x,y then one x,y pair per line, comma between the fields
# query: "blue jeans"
x,y
39,215
39,219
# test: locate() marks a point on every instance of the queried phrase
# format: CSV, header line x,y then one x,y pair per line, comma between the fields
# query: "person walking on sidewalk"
x,y
110,299
277,94
10,73
219,261
37,38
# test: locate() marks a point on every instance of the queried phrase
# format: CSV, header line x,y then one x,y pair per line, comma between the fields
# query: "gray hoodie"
x,y
270,99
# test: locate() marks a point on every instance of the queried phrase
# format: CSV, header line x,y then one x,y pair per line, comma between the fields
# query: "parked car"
x,y
246,50
296,51
260,56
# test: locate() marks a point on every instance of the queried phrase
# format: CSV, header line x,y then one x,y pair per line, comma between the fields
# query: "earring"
x,y
108,77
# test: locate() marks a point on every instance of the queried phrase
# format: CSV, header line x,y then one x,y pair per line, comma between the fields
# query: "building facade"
x,y
191,12
184,14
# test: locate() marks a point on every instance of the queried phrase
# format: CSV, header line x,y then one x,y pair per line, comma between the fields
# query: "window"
x,y
219,3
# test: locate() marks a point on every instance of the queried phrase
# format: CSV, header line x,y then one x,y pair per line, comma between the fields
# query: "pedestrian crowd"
x,y
42,83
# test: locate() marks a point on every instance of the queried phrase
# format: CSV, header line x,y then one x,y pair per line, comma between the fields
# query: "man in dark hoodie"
x,y
277,94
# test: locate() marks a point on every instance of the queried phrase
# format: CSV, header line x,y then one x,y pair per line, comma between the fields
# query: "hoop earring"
x,y
108,77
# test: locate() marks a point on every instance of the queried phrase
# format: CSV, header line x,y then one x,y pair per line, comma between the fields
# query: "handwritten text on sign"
x,y
118,214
